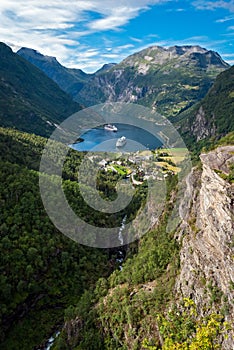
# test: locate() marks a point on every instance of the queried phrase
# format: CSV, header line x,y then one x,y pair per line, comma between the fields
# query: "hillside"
x,y
42,271
213,117
168,80
177,291
69,80
29,100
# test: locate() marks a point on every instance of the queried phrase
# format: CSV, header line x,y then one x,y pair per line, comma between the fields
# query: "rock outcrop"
x,y
207,266
202,127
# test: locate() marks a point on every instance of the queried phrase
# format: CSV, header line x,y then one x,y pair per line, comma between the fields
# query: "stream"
x,y
120,236
51,341
119,259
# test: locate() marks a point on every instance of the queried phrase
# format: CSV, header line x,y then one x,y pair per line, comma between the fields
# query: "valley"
x,y
172,287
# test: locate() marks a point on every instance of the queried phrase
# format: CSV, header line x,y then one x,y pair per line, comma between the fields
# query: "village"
x,y
141,165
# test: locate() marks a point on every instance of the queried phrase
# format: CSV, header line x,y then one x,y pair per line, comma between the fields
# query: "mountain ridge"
x,y
68,79
167,80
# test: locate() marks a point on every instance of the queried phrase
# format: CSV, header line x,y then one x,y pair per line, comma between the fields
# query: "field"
x,y
176,155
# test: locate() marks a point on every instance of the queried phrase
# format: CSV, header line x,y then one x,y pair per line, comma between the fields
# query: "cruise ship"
x,y
110,127
121,141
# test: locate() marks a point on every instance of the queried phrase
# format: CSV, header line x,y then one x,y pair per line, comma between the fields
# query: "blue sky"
x,y
89,33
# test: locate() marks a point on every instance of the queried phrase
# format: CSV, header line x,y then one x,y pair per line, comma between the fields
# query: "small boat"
x,y
110,127
121,141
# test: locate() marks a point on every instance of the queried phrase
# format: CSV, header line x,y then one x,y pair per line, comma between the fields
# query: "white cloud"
x,y
137,40
122,48
214,5
225,19
90,53
110,55
228,55
176,10
118,17
54,27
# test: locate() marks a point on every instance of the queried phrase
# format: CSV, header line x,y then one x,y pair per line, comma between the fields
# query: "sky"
x,y
86,34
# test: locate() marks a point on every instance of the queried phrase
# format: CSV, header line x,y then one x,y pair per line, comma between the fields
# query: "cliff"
x,y
207,269
212,117
144,305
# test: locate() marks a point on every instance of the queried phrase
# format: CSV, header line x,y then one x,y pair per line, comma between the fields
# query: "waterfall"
x,y
121,240
120,236
51,341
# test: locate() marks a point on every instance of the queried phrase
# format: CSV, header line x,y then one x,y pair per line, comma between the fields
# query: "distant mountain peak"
x,y
168,79
5,49
180,48
27,52
106,67
180,55
69,80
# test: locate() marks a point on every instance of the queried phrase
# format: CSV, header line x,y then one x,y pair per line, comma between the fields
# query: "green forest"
x,y
42,271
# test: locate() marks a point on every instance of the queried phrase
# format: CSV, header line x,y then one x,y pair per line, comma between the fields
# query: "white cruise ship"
x,y
110,127
121,141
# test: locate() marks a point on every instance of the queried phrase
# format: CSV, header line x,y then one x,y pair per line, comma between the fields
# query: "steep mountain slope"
x,y
214,115
29,100
69,80
207,270
177,291
168,80
41,270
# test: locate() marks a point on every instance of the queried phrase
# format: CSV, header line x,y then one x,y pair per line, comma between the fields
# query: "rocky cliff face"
x,y
213,115
202,127
207,266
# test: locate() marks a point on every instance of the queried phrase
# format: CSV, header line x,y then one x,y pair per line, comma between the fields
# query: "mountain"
x,y
29,100
168,80
213,116
69,80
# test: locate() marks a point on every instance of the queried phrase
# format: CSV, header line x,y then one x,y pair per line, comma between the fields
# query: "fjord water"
x,y
99,139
